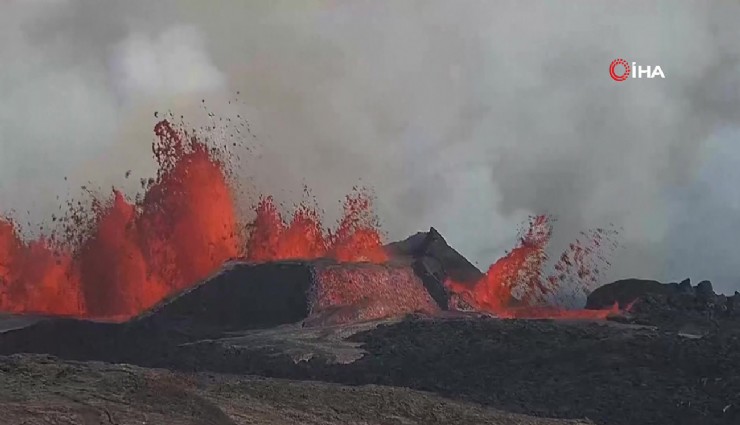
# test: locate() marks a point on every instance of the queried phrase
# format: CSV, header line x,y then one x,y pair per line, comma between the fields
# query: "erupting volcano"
x,y
130,255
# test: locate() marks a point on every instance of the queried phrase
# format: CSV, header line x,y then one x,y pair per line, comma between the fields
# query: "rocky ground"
x,y
36,390
609,373
670,306
270,344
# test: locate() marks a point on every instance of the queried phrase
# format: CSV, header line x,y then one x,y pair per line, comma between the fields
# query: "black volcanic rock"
x,y
685,287
612,373
434,261
241,296
624,292
704,290
733,303
668,305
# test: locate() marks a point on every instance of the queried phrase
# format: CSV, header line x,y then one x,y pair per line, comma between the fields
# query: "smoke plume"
x,y
465,115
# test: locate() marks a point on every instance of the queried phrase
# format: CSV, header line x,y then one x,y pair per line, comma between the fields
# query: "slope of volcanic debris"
x,y
318,292
346,293
240,297
243,296
435,262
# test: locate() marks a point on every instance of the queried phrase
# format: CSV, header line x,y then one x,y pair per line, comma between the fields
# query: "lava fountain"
x,y
515,286
183,229
122,257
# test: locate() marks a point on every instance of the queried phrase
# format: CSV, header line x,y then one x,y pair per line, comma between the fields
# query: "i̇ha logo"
x,y
620,70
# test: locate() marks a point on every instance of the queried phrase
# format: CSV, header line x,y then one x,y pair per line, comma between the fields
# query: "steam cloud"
x,y
465,115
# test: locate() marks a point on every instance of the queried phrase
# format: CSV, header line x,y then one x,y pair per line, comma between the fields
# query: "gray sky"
x,y
464,115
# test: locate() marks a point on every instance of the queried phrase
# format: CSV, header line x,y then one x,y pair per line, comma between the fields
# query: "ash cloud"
x,y
467,115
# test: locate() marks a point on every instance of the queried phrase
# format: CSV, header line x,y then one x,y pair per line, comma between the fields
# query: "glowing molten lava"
x,y
514,286
183,229
130,255
356,239
35,277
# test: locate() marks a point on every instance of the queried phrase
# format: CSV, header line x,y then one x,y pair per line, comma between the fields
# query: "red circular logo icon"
x,y
612,69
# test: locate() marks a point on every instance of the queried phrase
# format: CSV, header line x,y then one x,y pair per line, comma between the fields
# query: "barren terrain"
x,y
36,390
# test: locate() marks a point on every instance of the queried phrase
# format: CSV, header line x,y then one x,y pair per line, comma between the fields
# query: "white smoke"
x,y
173,63
464,115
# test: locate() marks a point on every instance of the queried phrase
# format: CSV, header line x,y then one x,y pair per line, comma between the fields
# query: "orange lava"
x,y
356,239
122,257
515,287
548,312
184,228
35,277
